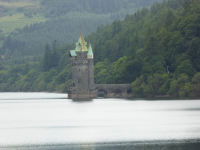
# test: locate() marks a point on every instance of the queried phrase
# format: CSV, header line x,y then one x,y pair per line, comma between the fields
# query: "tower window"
x,y
79,80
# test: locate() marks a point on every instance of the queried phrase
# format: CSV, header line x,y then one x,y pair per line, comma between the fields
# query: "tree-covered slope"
x,y
63,25
147,44
60,7
138,50
31,40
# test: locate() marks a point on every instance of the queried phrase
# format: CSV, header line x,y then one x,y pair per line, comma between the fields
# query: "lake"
x,y
51,121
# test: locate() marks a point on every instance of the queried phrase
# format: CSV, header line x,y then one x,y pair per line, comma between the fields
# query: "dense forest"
x,y
65,18
155,49
60,7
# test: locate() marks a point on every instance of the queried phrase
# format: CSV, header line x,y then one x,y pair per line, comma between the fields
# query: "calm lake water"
x,y
51,121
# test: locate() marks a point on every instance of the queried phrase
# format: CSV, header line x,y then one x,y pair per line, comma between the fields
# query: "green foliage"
x,y
137,50
102,71
66,18
148,91
120,71
147,70
196,78
49,75
173,88
196,81
138,86
51,86
28,14
188,89
184,67
194,52
66,86
60,7
31,76
20,9
64,75
50,59
152,50
181,87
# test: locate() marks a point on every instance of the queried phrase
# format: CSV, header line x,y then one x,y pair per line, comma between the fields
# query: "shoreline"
x,y
185,144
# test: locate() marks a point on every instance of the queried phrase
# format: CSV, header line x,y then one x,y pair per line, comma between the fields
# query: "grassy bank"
x,y
9,23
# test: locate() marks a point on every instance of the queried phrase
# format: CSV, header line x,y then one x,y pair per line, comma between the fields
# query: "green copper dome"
x,y
90,52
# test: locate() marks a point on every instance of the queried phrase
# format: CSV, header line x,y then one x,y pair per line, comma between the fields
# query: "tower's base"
x,y
82,96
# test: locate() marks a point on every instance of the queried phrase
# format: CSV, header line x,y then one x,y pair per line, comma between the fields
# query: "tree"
x,y
194,51
196,78
165,87
184,67
20,9
170,17
26,69
134,68
117,27
154,82
152,50
137,86
47,59
55,56
1,66
158,68
181,87
186,3
196,81
148,91
174,88
188,89
120,73
147,70
50,75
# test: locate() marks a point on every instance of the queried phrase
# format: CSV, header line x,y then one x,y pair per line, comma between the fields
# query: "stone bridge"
x,y
113,90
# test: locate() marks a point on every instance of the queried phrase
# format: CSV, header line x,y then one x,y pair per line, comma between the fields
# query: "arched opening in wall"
x,y
117,92
129,91
101,93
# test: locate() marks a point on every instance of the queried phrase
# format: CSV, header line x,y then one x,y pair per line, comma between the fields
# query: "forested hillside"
x,y
60,7
64,21
29,44
138,50
147,44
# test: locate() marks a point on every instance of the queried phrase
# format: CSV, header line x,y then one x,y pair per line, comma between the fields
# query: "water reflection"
x,y
82,100
97,124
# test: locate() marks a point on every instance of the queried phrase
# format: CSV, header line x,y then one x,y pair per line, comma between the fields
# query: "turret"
x,y
90,52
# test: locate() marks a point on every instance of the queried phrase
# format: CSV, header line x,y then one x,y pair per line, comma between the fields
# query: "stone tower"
x,y
82,71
